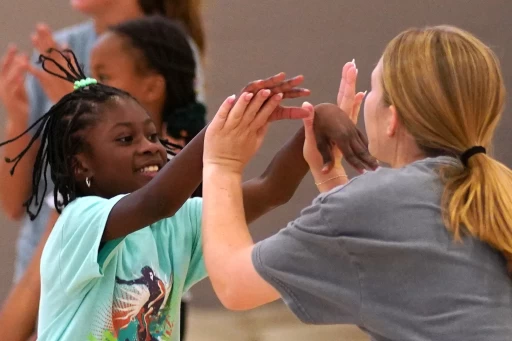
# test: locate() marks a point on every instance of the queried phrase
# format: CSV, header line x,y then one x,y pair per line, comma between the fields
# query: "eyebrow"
x,y
147,121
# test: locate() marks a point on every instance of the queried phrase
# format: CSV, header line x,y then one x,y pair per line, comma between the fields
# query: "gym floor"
x,y
270,323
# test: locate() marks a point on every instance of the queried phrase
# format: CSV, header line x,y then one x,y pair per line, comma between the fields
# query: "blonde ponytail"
x,y
478,199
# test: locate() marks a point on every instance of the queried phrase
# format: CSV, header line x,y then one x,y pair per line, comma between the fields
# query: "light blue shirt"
x,y
127,289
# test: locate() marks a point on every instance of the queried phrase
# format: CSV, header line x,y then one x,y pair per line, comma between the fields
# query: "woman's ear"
x,y
392,121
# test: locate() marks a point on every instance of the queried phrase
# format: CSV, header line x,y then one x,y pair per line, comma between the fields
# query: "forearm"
x,y
19,313
225,230
228,246
279,182
163,196
15,189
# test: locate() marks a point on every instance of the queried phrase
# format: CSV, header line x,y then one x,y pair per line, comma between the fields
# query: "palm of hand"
x,y
43,41
12,84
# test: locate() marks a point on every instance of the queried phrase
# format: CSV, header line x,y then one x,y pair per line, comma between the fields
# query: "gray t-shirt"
x,y
376,253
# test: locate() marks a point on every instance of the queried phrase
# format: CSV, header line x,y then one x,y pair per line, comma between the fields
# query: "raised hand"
x,y
237,130
43,42
13,68
288,87
336,123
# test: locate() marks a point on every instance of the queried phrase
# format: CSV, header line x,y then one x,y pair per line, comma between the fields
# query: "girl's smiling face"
x,y
123,151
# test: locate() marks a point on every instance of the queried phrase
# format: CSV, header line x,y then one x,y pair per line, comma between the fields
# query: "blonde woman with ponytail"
x,y
414,251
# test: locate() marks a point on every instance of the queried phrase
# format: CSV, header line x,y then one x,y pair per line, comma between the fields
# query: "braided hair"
x,y
162,47
62,135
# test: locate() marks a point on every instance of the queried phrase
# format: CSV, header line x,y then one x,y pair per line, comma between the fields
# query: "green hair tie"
x,y
82,83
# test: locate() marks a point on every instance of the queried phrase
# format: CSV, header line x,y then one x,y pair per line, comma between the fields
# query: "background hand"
x,y
13,68
43,42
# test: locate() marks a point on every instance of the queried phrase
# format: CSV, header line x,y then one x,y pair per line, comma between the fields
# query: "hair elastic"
x,y
84,82
464,157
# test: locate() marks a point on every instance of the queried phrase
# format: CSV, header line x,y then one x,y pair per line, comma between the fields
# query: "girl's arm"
x,y
279,181
166,193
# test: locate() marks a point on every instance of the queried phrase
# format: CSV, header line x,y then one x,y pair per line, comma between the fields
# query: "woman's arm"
x,y
227,243
21,306
166,193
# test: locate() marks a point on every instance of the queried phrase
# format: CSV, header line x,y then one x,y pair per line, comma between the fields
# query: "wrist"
x,y
221,170
328,181
320,176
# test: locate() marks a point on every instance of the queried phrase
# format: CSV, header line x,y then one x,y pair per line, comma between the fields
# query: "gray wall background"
x,y
249,40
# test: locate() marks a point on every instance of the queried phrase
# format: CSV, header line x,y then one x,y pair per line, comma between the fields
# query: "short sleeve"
x,y
75,241
197,269
308,265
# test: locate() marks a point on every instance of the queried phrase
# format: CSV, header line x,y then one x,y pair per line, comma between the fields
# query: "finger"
x,y
360,147
351,156
45,36
8,58
36,43
341,90
287,85
308,122
263,116
347,101
361,158
357,106
325,148
264,83
38,73
254,106
288,113
222,114
17,68
235,115
296,92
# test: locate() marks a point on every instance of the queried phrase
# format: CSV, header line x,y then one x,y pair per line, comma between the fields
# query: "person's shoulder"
x,y
85,28
386,189
89,205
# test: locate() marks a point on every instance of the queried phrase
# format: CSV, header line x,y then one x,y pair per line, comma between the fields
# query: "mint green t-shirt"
x,y
127,289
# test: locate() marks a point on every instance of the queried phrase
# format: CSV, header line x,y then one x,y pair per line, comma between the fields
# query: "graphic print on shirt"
x,y
140,310
142,300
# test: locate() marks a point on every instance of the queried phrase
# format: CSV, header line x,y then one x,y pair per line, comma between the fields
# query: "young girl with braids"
x,y
100,144
151,59
27,101
25,104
